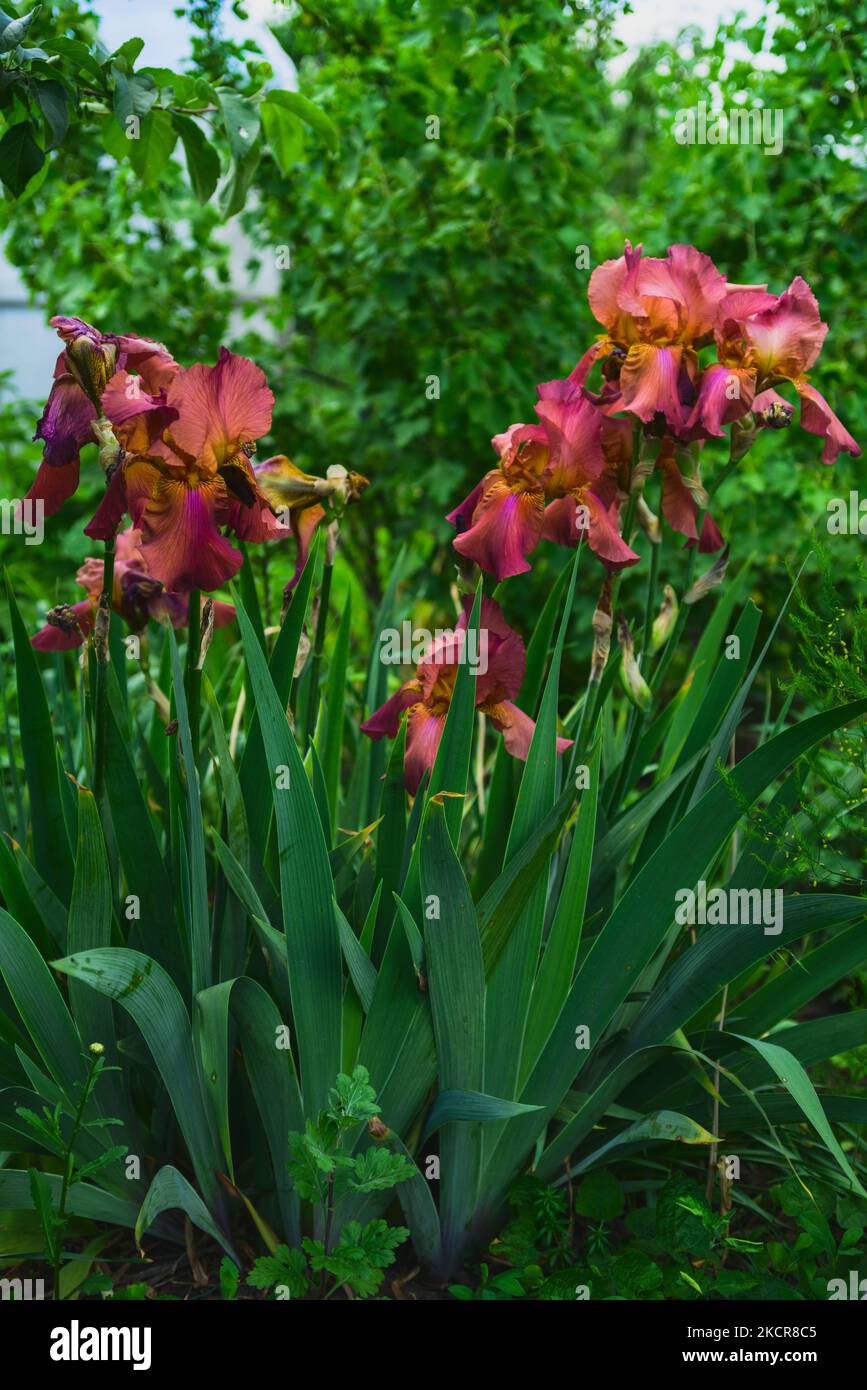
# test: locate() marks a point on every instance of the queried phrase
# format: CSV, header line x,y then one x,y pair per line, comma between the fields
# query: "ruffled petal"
x,y
220,408
66,424
181,542
787,338
818,418
423,733
700,289
603,292
462,515
724,394
517,729
151,361
506,526
649,382
53,484
680,509
107,517
603,535
574,429
385,721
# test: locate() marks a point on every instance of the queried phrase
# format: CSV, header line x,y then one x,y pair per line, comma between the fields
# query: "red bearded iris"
x,y
188,471
657,312
762,340
89,361
428,694
136,596
551,483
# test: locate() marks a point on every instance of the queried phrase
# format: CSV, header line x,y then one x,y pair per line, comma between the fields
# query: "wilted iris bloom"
x,y
136,596
551,483
299,496
428,694
187,472
90,360
762,340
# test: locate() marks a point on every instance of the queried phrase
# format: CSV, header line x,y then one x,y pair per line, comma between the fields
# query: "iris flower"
x,y
136,596
762,340
187,472
428,694
89,362
546,473
657,313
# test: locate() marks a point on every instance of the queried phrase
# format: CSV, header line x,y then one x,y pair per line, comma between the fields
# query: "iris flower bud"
x,y
633,682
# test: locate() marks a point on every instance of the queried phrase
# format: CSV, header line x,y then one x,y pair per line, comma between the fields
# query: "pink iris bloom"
x,y
550,484
67,420
428,694
656,312
136,596
762,340
188,472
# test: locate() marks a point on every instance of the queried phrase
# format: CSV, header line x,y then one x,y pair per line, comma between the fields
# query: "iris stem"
x,y
69,1170
640,717
628,523
318,646
671,645
102,648
193,676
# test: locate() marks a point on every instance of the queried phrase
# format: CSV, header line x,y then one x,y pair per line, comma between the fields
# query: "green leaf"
x,y
134,95
146,875
40,1192
286,1267
170,1191
241,119
150,153
455,1105
284,134
78,54
796,1081
199,924
645,913
564,937
664,1126
151,998
271,1074
15,30
332,740
312,941
361,969
511,979
203,161
83,1199
41,1006
306,111
599,1196
53,103
51,850
456,983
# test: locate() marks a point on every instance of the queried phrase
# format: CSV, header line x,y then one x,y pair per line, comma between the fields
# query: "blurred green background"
x,y
455,257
